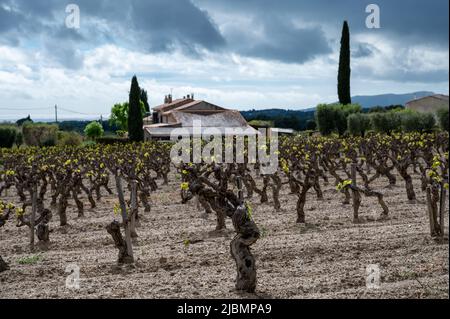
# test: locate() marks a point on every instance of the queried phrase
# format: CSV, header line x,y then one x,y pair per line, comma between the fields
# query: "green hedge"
x,y
325,119
94,130
386,122
8,136
333,117
69,138
40,134
417,122
359,124
443,118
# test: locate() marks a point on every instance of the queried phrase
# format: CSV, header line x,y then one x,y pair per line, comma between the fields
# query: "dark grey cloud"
x,y
420,20
65,53
150,26
290,31
435,76
402,75
34,21
281,41
364,50
407,23
37,9
62,32
8,19
167,24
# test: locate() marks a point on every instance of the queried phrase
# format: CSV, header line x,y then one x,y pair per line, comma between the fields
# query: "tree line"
x,y
350,119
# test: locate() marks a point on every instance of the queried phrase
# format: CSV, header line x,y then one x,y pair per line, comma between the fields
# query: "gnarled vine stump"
x,y
3,265
114,230
225,201
42,229
62,207
247,235
38,225
436,196
3,219
357,191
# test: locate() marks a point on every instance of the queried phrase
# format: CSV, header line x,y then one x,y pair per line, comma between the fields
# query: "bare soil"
x,y
179,255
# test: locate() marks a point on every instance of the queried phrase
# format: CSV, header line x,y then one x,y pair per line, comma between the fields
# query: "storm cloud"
x,y
421,20
242,46
291,31
150,26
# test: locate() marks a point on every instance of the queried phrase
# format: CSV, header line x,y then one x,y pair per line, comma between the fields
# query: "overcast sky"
x,y
240,54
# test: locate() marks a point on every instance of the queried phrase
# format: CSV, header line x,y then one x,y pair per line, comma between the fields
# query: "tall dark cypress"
x,y
135,121
144,99
344,67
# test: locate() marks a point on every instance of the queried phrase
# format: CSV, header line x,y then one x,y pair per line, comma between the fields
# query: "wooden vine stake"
x,y
125,246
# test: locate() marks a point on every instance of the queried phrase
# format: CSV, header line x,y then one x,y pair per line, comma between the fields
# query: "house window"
x,y
155,118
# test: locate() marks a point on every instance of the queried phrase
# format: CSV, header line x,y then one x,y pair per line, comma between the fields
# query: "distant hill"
x,y
366,101
388,99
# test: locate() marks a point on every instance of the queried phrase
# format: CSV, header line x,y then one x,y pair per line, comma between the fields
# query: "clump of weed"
x,y
30,260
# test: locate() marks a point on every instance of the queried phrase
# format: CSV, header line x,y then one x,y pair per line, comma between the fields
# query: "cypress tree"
x,y
135,121
144,99
344,67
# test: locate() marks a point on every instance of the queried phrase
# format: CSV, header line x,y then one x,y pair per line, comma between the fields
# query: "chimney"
x,y
192,96
188,97
169,98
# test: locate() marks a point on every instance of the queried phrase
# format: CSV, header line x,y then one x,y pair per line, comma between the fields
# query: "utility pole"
x,y
56,113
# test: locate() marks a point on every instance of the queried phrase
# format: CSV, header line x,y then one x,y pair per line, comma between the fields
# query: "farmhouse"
x,y
429,104
191,114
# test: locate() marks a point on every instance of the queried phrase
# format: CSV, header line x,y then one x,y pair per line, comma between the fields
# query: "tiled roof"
x,y
226,118
185,107
174,104
436,96
441,96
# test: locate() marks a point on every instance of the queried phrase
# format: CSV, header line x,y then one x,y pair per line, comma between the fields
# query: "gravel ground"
x,y
326,258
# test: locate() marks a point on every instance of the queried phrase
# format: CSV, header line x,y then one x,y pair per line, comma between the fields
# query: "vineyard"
x,y
139,226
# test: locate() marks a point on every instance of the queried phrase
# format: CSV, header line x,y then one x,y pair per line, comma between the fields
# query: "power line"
x,y
76,112
55,109
45,109
24,109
